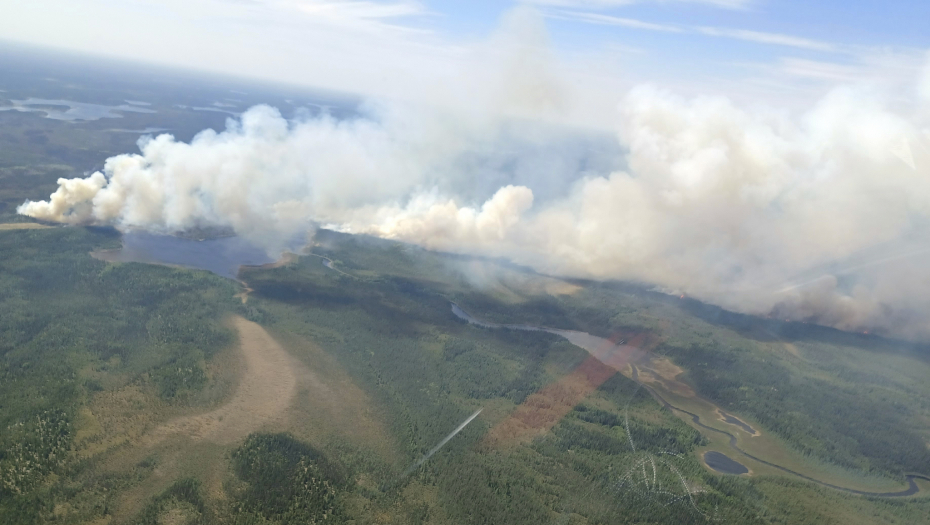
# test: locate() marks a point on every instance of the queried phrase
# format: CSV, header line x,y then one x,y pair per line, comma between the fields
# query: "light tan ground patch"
x,y
538,284
244,294
176,516
22,226
557,287
195,445
300,389
329,404
261,399
114,418
791,349
722,417
664,372
666,369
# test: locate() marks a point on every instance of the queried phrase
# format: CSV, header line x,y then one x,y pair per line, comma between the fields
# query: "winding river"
x,y
601,348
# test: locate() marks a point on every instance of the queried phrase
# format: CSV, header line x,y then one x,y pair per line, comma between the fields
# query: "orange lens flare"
x,y
541,411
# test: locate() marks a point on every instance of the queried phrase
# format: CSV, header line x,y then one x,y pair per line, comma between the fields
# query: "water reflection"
x,y
723,463
74,111
221,256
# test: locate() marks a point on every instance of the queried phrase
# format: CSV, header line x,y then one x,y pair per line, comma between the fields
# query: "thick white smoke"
x,y
266,178
728,206
814,217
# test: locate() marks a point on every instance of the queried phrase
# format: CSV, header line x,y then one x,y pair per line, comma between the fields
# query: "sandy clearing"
x,y
661,371
734,421
262,397
22,226
276,391
330,404
791,349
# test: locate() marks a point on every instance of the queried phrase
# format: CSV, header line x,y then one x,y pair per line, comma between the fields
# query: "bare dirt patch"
x,y
791,349
262,397
662,371
730,419
330,405
285,384
196,444
22,226
114,418
540,285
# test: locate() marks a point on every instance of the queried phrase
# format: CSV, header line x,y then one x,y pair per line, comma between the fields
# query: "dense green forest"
x,y
95,357
818,417
852,400
409,300
286,481
64,317
75,330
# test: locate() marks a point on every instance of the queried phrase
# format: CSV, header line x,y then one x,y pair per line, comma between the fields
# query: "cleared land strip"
x,y
262,398
22,226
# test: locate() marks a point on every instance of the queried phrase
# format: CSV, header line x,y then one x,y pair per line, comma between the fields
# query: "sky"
x,y
760,51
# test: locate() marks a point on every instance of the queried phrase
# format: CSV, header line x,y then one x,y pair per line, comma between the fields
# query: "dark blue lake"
x,y
221,256
723,464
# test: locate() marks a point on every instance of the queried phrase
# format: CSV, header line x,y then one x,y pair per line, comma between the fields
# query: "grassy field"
x,y
73,331
22,226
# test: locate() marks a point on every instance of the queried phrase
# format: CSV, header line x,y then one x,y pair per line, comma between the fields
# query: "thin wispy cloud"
x,y
760,37
361,14
815,69
359,9
768,38
607,20
608,4
799,81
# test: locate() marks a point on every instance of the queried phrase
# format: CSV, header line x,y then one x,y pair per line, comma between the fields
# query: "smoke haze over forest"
x,y
814,215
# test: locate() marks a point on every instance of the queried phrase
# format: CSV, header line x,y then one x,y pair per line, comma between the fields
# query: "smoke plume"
x,y
819,216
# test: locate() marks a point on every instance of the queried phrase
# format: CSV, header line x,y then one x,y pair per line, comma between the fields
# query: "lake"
x,y
723,464
222,256
73,110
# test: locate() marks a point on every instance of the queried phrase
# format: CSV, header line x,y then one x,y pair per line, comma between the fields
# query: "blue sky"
x,y
727,39
751,49
865,22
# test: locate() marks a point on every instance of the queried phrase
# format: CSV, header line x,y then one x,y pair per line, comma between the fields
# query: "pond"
x,y
723,464
222,256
